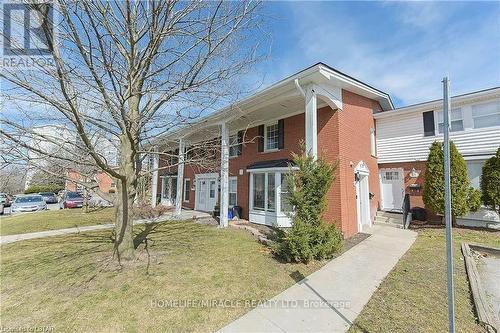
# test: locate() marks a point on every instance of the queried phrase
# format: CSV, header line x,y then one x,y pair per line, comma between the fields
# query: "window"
x,y
486,115
187,188
234,147
271,192
391,175
272,137
429,127
212,189
373,148
285,194
233,189
474,171
456,121
259,191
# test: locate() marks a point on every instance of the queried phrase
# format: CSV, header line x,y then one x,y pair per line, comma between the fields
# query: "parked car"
x,y
49,197
1,208
71,200
28,203
5,199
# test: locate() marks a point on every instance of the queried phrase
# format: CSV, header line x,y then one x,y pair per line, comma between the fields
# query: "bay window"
x,y
269,195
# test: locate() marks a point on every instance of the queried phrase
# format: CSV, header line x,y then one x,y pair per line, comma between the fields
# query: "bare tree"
x,y
129,71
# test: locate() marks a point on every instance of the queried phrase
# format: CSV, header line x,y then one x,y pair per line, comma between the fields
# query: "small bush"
x,y
490,182
309,237
474,198
145,211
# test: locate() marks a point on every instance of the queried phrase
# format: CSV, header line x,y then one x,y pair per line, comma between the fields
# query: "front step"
x,y
390,219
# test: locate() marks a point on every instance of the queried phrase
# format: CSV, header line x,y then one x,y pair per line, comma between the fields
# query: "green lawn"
x,y
413,296
53,219
70,284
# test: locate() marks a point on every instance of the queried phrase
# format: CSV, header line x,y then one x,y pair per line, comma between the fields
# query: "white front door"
x,y
392,189
363,202
206,192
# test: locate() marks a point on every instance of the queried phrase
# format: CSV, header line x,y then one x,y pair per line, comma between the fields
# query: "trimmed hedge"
x,y
44,188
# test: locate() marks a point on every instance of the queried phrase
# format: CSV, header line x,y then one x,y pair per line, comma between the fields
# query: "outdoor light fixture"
x,y
413,173
356,176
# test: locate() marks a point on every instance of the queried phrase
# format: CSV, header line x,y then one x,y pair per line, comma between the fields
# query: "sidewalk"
x,y
330,299
185,215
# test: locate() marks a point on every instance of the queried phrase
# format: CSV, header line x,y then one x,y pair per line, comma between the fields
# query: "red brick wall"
x,y
342,135
354,124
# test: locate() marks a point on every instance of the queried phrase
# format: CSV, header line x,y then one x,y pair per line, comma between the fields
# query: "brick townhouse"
x,y
334,115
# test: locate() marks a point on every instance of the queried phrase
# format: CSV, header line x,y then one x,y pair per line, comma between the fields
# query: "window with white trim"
x,y
285,195
271,137
187,188
391,175
486,114
259,191
456,121
268,189
234,147
233,191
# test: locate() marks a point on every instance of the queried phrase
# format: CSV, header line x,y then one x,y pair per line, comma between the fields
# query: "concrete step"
x,y
389,220
389,214
393,225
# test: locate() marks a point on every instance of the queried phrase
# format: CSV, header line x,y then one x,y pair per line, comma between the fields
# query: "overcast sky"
x,y
402,48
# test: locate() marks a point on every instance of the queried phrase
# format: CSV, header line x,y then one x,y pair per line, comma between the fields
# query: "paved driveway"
x,y
330,299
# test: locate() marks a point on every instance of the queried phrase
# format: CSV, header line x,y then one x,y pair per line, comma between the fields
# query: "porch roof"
x,y
280,100
282,163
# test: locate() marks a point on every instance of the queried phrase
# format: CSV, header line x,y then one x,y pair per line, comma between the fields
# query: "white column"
x,y
311,123
180,178
224,175
154,179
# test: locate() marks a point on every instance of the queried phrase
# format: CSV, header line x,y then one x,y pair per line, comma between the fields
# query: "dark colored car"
x,y
71,200
49,197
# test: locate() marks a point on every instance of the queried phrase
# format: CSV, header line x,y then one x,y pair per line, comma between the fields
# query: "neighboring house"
x,y
338,118
404,136
74,181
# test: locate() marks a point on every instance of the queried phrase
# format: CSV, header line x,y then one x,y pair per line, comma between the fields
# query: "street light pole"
x,y
447,204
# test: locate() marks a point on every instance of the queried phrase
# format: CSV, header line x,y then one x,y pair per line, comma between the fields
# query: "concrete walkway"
x,y
330,299
185,215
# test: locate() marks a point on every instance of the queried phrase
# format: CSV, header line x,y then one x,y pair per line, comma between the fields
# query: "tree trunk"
x,y
125,196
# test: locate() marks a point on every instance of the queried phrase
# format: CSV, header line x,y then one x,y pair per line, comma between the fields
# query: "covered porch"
x,y
302,94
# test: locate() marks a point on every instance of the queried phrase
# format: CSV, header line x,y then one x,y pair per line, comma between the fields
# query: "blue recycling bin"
x,y
230,214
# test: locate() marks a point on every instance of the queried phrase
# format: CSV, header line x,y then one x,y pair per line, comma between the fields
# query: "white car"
x,y
28,203
1,208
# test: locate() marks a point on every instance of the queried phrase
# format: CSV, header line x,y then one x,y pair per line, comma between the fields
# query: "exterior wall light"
x,y
413,173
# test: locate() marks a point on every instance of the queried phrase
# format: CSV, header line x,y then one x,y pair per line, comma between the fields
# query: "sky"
x,y
401,48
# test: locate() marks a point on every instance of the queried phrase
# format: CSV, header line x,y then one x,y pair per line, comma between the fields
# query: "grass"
x,y
413,297
70,284
53,219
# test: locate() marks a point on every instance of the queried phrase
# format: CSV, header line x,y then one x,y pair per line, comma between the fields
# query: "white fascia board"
x,y
351,84
315,74
438,104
